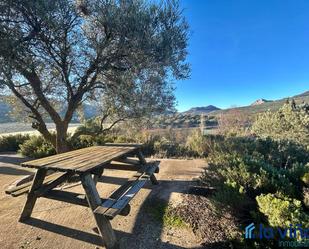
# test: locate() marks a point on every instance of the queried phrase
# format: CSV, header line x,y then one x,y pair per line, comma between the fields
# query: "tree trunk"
x,y
61,138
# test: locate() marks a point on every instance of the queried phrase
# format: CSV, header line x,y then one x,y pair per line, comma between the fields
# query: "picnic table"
x,y
88,165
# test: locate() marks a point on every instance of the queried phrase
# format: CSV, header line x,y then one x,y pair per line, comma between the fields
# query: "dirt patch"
x,y
214,230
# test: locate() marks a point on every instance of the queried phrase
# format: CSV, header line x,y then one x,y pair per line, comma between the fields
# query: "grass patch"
x,y
163,213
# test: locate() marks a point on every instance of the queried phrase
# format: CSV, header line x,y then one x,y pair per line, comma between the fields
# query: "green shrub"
x,y
12,142
253,174
231,196
282,211
244,168
166,148
37,147
196,142
291,123
82,141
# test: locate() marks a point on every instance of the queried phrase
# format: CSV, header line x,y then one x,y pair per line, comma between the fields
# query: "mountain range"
x,y
260,105
257,106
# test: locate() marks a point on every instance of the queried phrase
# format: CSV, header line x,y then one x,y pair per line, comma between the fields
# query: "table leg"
x,y
97,175
94,200
32,197
142,159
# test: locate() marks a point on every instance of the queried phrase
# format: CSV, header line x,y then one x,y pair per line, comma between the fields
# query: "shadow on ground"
x,y
7,163
147,231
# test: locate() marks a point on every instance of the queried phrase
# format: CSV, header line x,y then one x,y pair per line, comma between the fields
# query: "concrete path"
x,y
59,225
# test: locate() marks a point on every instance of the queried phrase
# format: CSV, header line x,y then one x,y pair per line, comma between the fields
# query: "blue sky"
x,y
242,50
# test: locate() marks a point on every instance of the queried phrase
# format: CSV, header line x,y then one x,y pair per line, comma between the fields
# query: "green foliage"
x,y
245,169
181,120
89,126
282,211
37,147
196,142
12,142
165,148
291,122
230,195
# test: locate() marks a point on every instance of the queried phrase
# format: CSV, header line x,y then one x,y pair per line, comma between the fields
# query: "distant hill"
x,y
269,105
305,94
261,101
202,110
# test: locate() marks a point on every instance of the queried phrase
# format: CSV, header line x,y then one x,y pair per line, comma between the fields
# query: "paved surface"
x,y
60,225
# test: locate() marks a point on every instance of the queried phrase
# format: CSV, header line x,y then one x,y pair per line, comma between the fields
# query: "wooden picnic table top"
x,y
82,160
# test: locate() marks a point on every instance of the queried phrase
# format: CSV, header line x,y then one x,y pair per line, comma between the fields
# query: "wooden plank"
x,y
73,163
94,200
55,158
28,184
82,160
124,144
97,175
128,161
142,159
67,156
93,160
118,166
45,188
99,162
110,208
31,198
116,152
126,198
123,212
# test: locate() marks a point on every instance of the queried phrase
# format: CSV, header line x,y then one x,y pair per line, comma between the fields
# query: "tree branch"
x,y
40,125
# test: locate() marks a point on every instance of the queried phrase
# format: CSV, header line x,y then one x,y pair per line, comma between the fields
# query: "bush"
x,y
12,142
165,148
282,211
196,142
231,196
254,169
37,147
291,122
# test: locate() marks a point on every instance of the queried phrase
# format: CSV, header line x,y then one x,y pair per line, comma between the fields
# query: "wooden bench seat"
x,y
119,200
24,188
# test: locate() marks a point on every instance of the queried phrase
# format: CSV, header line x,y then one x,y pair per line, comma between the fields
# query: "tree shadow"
x,y
10,164
4,170
6,158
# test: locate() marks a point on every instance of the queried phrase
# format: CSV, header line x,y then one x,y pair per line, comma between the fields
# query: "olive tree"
x,y
56,55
